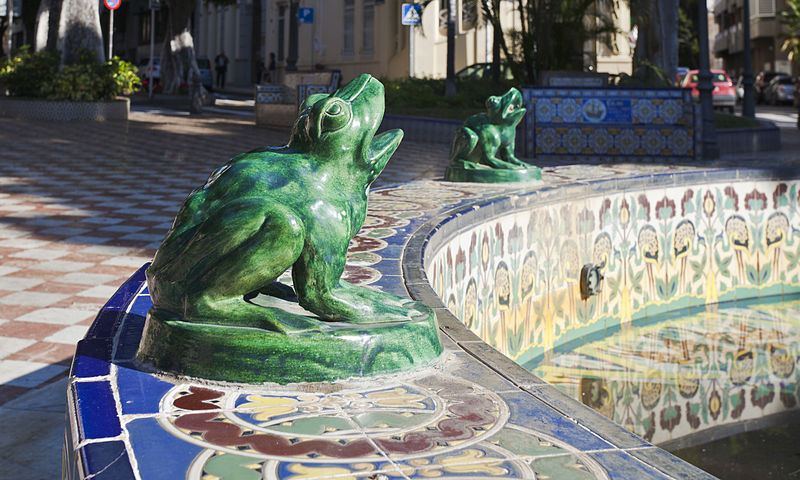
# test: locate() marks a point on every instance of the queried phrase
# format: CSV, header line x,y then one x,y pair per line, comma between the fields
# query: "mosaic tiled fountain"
x,y
498,266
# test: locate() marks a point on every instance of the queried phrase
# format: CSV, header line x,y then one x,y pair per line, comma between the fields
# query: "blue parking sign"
x,y
411,14
305,15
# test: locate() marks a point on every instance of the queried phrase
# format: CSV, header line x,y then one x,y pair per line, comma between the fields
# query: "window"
x,y
349,26
368,30
443,9
469,14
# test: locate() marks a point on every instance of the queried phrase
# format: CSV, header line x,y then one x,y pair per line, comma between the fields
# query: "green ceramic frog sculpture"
x,y
483,148
272,209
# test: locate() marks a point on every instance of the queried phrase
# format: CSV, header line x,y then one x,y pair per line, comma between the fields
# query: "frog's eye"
x,y
335,116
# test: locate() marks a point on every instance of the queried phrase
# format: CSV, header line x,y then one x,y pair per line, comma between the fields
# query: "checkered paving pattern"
x,y
82,206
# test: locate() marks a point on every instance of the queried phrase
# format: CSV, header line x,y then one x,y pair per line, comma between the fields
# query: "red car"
x,y
724,93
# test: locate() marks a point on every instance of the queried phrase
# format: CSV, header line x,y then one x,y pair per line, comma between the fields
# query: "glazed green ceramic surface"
x,y
264,212
483,148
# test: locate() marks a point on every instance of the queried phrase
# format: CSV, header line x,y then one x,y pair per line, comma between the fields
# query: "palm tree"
x,y
790,18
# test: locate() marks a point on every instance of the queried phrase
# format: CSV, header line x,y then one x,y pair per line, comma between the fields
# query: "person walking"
x,y
271,69
221,64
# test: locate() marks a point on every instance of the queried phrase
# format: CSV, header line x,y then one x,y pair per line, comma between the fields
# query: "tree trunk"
x,y
178,62
53,22
42,26
79,27
256,55
658,41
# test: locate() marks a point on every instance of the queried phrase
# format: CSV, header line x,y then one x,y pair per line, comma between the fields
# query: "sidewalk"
x,y
82,206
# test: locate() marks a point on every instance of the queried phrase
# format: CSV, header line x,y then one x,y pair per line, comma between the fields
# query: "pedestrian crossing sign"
x,y
412,14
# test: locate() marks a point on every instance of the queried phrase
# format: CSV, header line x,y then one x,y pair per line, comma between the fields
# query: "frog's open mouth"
x,y
382,147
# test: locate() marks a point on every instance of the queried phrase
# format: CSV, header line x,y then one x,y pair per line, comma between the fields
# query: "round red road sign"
x,y
113,4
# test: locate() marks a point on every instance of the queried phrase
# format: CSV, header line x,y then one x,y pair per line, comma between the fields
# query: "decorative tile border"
x,y
643,124
513,278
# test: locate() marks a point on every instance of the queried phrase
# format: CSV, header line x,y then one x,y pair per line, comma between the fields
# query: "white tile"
x,y
32,299
100,291
9,345
105,250
127,261
145,237
67,232
10,233
40,254
56,316
24,242
62,266
6,270
85,278
17,207
27,374
86,240
69,335
16,284
103,220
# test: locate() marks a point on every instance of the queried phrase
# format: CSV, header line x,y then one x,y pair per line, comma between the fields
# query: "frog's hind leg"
x,y
243,246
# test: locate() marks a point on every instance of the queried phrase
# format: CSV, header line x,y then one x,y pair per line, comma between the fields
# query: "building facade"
x,y
357,36
765,41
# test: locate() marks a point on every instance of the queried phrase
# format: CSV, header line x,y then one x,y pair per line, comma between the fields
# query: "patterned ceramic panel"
x,y
513,280
681,375
610,123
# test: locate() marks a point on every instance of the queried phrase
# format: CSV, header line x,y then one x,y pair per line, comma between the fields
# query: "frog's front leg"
x,y
507,153
316,278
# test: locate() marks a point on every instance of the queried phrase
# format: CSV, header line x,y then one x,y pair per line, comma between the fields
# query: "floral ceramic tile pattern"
x,y
513,280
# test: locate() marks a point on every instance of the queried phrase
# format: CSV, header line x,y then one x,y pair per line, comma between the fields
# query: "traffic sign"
x,y
412,14
113,4
305,15
155,4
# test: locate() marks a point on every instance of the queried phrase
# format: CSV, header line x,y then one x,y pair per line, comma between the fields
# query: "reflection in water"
x,y
673,377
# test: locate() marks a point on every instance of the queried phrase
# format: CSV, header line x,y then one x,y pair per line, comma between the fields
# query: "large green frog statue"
x,y
272,209
482,150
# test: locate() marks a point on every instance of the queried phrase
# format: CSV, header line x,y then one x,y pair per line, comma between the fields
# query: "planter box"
x,y
35,109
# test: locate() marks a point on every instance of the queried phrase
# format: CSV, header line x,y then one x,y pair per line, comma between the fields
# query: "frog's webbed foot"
x,y
238,312
360,305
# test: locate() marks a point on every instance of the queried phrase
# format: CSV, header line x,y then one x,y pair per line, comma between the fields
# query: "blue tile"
x,y
622,466
141,305
391,284
97,413
150,442
128,290
104,324
129,337
92,358
140,392
529,412
107,460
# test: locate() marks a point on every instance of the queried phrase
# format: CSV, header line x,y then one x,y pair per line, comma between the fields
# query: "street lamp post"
x,y
748,102
705,87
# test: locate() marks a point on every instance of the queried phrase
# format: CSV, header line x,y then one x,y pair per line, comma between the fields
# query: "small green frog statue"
x,y
218,311
483,148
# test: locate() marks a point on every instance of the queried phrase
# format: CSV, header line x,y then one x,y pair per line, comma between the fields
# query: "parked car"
x,y
760,84
779,90
484,70
681,72
205,72
143,72
723,95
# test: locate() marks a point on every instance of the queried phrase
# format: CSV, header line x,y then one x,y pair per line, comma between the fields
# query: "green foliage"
x,y
26,73
37,75
790,18
552,34
425,97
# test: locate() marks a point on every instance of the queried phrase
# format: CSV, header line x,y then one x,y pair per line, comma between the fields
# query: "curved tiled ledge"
x,y
474,413
438,232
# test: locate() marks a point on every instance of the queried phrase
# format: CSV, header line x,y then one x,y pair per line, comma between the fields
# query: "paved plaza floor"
x,y
82,206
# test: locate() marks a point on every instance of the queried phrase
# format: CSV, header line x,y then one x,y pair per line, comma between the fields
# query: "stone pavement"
x,y
82,206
